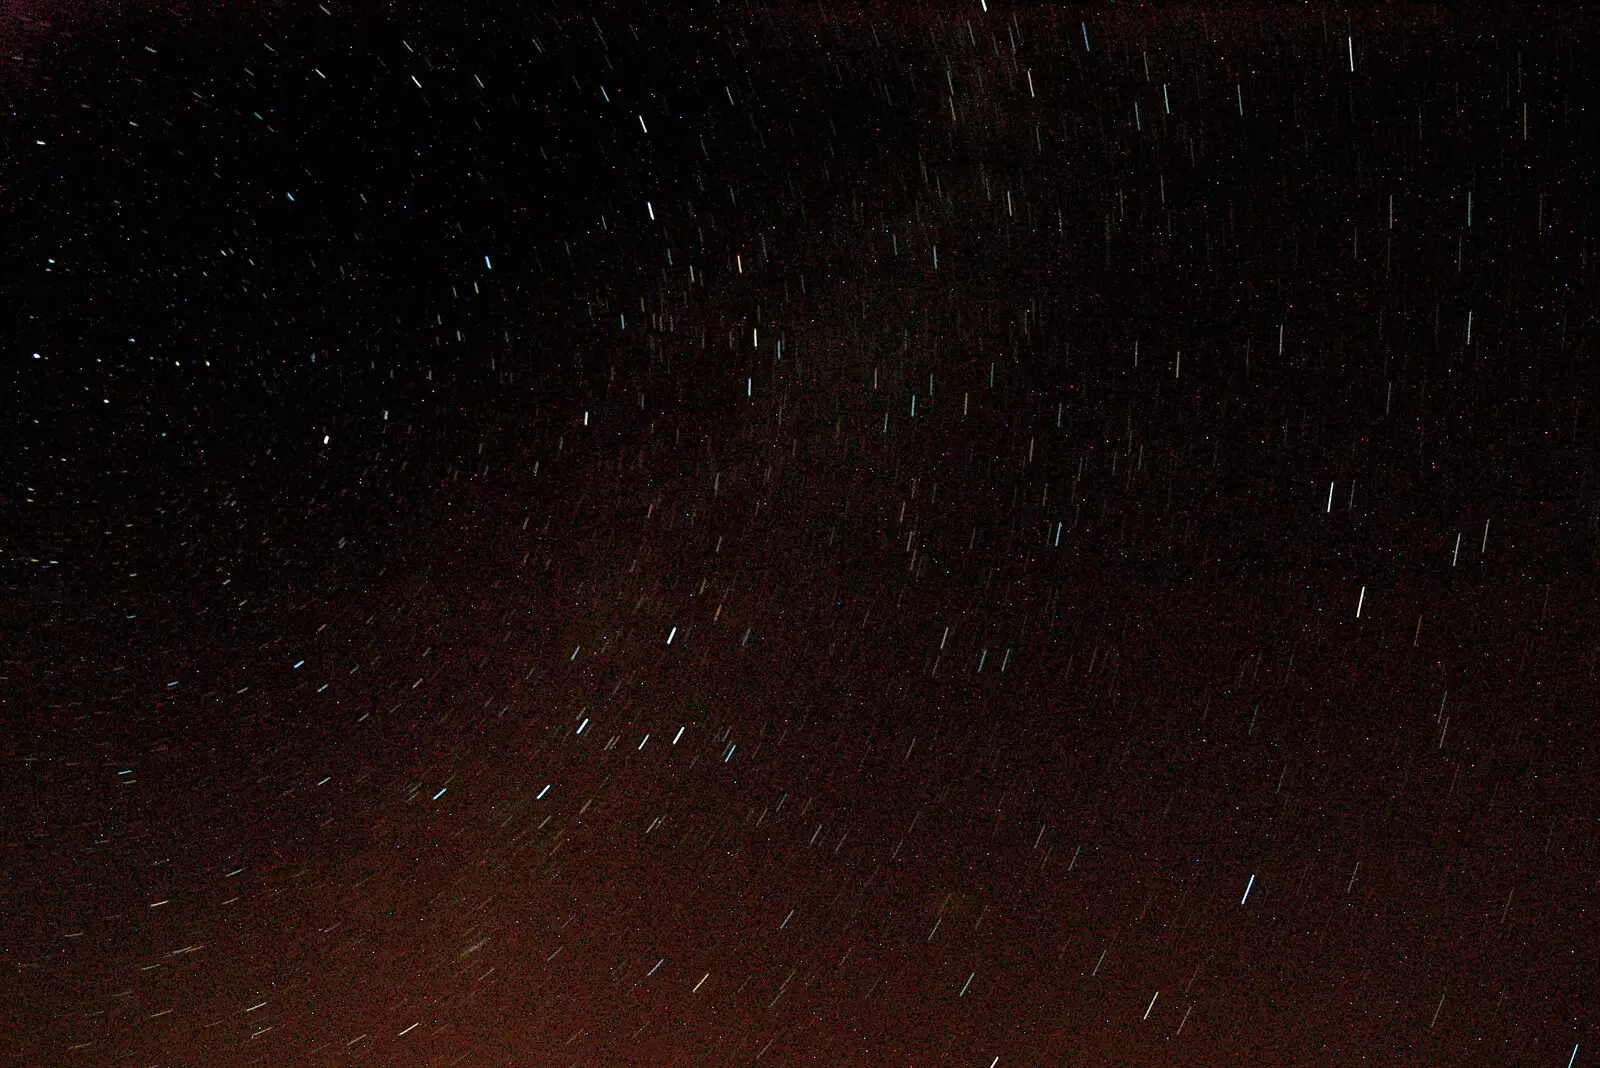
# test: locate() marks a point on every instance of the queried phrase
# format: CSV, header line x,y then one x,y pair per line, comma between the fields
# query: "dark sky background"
x,y
736,535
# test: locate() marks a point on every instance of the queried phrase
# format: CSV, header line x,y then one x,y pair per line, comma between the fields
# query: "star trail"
x,y
974,534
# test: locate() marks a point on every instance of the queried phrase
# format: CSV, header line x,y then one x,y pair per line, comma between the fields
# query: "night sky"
x,y
798,534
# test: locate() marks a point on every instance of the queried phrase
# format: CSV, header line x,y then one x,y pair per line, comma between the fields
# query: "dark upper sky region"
x,y
930,535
